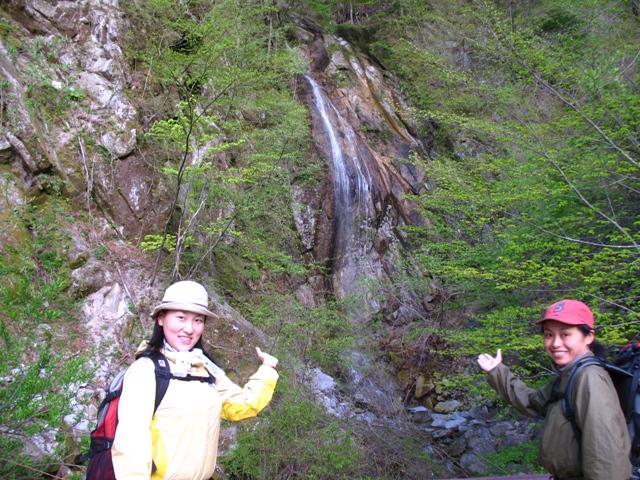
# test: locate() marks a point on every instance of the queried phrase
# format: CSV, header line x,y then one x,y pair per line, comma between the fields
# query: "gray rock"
x,y
420,414
440,434
41,445
513,439
6,151
373,389
482,442
458,447
447,407
480,413
448,422
500,429
322,382
88,279
473,464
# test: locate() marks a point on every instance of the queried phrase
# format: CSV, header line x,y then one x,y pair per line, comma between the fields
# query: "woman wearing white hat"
x,y
180,440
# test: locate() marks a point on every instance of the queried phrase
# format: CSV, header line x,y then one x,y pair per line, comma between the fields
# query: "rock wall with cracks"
x,y
115,182
113,178
362,128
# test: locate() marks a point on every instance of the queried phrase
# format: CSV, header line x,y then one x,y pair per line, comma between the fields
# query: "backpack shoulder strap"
x,y
567,405
194,378
163,375
555,396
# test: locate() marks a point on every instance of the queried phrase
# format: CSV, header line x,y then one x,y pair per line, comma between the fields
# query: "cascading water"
x,y
359,192
357,215
352,181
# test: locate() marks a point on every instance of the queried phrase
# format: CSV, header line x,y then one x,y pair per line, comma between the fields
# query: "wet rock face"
x,y
318,54
366,146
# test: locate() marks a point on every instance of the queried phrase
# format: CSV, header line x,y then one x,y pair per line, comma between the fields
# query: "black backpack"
x,y
99,455
625,374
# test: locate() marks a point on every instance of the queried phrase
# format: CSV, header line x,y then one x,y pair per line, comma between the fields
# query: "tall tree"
x,y
236,136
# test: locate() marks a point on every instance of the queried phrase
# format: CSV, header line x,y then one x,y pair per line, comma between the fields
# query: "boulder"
x,y
448,406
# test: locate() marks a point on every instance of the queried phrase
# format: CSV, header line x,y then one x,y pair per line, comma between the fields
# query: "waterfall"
x,y
352,182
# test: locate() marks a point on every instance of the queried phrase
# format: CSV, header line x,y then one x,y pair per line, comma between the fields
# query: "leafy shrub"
x,y
315,335
517,459
293,437
39,370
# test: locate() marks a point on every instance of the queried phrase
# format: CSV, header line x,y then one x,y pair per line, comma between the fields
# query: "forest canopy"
x,y
534,187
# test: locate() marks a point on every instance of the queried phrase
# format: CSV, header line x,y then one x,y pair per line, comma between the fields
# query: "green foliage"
x,y
316,335
317,445
514,460
5,26
294,436
320,9
155,242
47,97
100,252
236,139
339,15
559,20
38,370
533,194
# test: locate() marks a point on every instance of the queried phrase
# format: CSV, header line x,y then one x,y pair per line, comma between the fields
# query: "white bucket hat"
x,y
187,296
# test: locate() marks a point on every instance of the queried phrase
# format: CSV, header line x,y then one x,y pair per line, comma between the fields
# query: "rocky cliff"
x,y
80,95
70,129
359,129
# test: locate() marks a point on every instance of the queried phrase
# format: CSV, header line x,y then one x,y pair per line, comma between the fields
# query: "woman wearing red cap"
x,y
179,441
603,452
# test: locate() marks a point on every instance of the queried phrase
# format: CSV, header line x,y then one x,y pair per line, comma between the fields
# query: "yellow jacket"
x,y
182,437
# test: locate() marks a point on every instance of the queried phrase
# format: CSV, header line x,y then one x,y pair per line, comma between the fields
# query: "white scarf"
x,y
184,361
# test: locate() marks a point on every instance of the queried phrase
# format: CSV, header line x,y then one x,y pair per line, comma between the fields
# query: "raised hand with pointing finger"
x,y
488,363
267,359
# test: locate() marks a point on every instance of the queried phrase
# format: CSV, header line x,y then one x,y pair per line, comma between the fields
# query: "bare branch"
x,y
210,249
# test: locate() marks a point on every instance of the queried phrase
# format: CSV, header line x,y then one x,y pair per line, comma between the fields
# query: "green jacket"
x,y
605,439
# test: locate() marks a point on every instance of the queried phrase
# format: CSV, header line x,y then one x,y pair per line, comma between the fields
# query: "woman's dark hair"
x,y
156,342
596,347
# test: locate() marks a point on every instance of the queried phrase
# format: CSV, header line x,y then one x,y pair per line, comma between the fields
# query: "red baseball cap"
x,y
571,312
